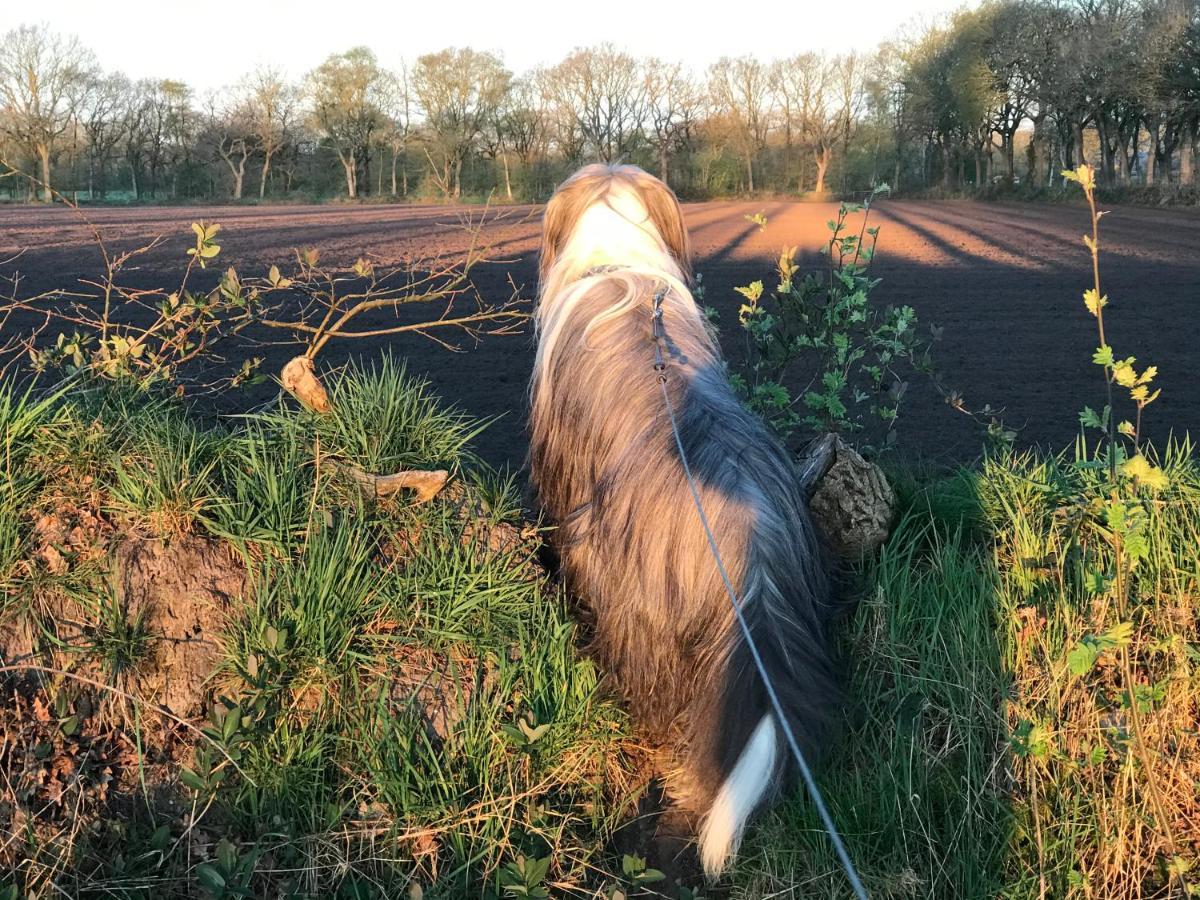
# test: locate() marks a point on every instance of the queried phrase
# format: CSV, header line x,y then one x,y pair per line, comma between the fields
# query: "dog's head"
x,y
637,198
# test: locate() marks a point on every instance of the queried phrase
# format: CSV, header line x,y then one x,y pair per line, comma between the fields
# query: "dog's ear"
x,y
557,223
564,209
667,216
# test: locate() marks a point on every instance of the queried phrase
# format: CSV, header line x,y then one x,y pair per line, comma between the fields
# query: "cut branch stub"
x,y
850,498
815,461
299,378
426,484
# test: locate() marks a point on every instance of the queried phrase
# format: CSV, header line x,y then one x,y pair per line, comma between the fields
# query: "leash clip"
x,y
656,321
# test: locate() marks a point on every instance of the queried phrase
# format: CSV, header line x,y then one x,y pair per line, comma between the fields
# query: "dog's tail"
x,y
785,603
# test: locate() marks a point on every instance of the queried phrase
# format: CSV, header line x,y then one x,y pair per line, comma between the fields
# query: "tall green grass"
x,y
981,757
402,700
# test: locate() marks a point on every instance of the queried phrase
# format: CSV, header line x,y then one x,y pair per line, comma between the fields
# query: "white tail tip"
x,y
738,797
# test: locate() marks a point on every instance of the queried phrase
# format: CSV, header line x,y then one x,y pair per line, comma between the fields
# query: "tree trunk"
x,y
44,157
1187,158
750,172
262,181
978,169
394,155
133,182
1151,155
662,163
350,164
458,178
507,177
821,159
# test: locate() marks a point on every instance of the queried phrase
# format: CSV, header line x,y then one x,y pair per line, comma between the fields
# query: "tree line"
x,y
1006,93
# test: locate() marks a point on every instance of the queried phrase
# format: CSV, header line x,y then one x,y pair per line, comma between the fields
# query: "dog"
x,y
608,473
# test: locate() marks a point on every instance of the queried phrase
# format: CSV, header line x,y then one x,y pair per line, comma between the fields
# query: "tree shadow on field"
x,y
1014,335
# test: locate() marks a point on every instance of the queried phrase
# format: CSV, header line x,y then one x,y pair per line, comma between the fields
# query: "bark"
x,y
507,177
350,165
266,169
821,158
44,158
750,172
1077,150
394,155
1187,159
1151,155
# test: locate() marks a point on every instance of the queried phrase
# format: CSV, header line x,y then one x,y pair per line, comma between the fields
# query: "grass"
x,y
402,704
988,755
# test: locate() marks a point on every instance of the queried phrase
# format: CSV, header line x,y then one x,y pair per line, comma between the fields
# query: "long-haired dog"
x,y
607,470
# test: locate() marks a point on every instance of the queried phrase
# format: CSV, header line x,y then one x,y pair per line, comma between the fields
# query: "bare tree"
x,y
564,134
602,90
673,104
102,123
269,104
38,70
459,91
741,89
168,127
231,131
397,104
344,93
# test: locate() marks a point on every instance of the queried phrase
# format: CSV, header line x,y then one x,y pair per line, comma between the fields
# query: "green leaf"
x,y
1103,355
1086,654
211,879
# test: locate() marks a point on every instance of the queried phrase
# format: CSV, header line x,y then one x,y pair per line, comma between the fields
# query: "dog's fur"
x,y
608,472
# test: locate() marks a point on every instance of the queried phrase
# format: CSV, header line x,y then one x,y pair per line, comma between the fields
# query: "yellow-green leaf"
x,y
752,291
1140,470
1093,301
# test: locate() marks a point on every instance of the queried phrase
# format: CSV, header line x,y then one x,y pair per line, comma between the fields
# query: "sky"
x,y
211,43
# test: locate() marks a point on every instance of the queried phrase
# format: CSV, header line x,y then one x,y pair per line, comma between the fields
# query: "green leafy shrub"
x,y
821,352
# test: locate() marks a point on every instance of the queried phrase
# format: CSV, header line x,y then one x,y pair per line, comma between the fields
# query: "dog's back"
x,y
608,471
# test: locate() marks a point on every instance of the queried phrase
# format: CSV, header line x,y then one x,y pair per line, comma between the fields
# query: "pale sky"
x,y
211,43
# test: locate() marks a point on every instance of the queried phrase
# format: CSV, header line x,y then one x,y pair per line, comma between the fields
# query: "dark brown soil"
x,y
1003,280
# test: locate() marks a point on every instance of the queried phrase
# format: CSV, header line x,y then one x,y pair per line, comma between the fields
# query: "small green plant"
x,y
524,877
859,354
634,875
1121,509
229,874
122,642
